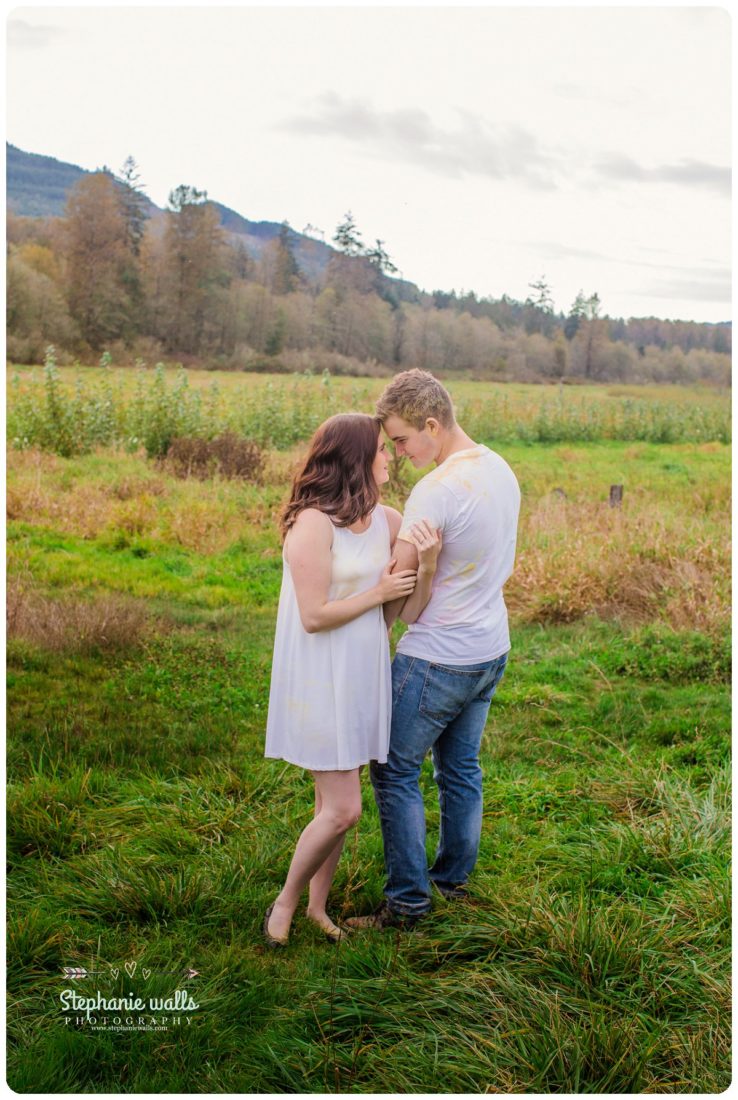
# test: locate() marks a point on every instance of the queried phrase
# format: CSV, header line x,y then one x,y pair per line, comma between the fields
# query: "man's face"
x,y
419,445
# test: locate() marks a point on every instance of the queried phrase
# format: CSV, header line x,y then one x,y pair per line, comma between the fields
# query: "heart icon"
x,y
145,971
130,968
115,971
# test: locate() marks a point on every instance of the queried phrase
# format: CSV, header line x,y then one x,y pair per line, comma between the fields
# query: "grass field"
x,y
145,826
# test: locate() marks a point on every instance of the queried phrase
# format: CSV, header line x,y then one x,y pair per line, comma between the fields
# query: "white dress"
x,y
330,700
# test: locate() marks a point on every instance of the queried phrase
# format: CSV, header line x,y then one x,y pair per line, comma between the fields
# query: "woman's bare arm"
x,y
394,521
308,553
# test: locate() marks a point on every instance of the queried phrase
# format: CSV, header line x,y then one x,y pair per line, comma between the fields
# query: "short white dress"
x,y
330,701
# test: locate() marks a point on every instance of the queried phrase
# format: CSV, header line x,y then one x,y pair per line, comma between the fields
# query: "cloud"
x,y
26,36
582,93
473,147
476,147
694,173
699,290
552,250
676,281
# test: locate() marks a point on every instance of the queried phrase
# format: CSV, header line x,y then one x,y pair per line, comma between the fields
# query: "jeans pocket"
x,y
496,673
402,667
446,692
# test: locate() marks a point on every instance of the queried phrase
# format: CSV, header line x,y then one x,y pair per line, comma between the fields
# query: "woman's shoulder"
x,y
394,520
311,526
313,519
311,523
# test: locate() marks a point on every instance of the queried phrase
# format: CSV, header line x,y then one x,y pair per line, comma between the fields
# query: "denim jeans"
x,y
441,708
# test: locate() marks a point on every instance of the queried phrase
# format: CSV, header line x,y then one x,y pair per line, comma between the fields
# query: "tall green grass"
x,y
47,412
593,955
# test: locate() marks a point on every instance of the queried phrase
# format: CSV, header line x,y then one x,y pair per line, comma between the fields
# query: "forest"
x,y
176,285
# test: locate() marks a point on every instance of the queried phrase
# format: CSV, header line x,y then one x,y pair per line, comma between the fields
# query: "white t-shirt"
x,y
474,498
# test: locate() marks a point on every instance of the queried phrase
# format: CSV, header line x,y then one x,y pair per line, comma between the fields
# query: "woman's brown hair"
x,y
336,476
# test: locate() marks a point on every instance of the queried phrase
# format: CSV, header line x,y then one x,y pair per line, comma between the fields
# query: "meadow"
x,y
144,825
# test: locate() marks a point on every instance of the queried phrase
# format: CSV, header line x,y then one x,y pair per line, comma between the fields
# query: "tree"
x,y
36,312
542,299
355,267
195,269
584,324
576,313
133,206
286,276
379,258
538,312
97,255
133,203
347,238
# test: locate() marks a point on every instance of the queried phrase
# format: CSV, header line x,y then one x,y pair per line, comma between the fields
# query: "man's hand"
x,y
428,542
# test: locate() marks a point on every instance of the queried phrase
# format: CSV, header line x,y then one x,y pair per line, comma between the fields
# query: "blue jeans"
x,y
441,708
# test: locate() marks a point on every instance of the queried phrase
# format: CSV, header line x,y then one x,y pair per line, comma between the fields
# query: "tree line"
x,y
108,276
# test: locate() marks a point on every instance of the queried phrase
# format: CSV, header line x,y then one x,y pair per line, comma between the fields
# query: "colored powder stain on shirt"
x,y
449,466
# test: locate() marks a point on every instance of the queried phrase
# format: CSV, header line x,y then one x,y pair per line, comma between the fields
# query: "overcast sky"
x,y
486,146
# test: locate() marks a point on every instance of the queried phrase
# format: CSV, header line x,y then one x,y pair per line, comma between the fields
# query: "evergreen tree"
x,y
347,238
286,277
577,312
133,204
538,314
379,258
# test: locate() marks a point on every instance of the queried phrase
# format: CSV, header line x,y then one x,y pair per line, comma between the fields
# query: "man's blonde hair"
x,y
414,395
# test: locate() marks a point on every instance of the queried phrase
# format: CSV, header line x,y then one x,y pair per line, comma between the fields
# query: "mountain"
x,y
37,187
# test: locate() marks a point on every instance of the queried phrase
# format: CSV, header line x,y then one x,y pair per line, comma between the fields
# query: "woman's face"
x,y
380,466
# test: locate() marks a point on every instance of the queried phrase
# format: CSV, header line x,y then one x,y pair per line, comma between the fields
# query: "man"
x,y
450,661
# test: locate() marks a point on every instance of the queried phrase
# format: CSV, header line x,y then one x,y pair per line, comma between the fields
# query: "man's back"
x,y
474,498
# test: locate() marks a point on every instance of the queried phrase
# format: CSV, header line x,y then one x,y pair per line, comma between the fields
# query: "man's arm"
x,y
427,542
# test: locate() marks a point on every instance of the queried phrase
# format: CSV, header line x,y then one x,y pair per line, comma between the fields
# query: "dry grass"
x,y
71,624
576,558
203,516
129,487
84,511
138,515
281,466
664,558
207,527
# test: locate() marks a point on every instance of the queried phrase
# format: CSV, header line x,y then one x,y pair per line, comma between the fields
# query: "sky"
x,y
487,147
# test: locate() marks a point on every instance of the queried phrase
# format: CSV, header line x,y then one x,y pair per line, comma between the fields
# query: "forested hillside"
x,y
200,284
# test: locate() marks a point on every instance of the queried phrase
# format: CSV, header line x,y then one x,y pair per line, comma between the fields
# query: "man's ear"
x,y
432,425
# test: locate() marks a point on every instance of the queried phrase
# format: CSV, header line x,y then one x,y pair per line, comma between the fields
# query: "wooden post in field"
x,y
616,496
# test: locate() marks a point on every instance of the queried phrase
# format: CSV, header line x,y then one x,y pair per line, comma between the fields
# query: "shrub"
x,y
228,454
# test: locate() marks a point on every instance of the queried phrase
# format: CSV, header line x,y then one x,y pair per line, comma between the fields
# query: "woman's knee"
x,y
343,815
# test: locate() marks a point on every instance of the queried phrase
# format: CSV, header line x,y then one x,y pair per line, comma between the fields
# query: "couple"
x,y
351,567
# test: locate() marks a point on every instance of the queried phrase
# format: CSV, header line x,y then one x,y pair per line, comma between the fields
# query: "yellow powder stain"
x,y
449,466
468,568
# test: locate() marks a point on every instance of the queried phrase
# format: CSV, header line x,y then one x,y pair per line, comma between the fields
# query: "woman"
x,y
330,697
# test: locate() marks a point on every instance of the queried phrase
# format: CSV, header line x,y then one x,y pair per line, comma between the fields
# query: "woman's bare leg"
x,y
320,883
340,808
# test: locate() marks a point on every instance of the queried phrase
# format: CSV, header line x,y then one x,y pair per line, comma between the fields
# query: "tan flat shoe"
x,y
334,934
271,940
